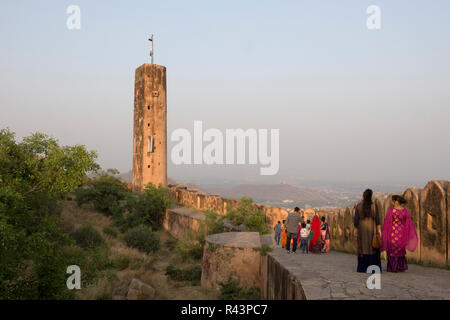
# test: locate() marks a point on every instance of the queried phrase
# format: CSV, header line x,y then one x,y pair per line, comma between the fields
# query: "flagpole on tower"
x,y
151,50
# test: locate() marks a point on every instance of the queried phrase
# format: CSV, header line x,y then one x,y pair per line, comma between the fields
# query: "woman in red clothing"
x,y
314,245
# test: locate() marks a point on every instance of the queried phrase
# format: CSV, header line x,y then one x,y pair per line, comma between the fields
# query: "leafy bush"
x,y
247,214
105,192
87,237
110,196
214,222
190,251
192,274
122,262
230,290
192,248
99,260
34,175
110,231
143,239
212,247
148,207
171,243
105,296
92,262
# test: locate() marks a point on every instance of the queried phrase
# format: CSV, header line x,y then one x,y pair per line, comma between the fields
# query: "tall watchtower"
x,y
150,127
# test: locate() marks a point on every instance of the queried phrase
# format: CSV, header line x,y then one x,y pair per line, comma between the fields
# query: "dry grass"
x,y
148,268
103,287
73,216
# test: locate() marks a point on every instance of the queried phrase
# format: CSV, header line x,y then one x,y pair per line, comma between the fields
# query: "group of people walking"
x,y
397,235
309,236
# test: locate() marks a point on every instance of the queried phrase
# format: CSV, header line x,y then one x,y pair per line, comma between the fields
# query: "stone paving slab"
x,y
333,276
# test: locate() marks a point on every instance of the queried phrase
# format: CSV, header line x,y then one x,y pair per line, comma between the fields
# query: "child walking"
x,y
304,234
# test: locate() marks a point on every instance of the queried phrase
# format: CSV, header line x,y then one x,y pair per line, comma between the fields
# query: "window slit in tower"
x,y
150,144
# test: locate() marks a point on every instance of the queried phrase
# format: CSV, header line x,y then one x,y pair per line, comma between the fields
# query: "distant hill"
x,y
280,194
271,192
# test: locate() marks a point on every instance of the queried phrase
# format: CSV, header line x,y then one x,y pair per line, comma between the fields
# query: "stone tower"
x,y
150,127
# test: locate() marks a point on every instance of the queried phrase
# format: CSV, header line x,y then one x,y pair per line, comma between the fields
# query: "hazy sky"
x,y
350,103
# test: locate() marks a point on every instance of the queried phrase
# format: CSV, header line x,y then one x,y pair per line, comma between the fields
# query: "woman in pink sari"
x,y
398,235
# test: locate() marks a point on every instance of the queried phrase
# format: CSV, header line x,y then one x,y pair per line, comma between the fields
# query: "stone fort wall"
x,y
429,208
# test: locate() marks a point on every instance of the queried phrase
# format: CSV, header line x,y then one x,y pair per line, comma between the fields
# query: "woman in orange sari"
x,y
283,235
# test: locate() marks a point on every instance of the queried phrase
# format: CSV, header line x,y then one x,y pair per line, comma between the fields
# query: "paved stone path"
x,y
333,276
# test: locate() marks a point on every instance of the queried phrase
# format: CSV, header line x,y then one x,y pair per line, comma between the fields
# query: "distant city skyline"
x,y
351,104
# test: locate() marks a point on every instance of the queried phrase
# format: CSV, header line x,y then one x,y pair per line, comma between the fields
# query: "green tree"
x,y
249,215
149,207
143,239
106,192
34,174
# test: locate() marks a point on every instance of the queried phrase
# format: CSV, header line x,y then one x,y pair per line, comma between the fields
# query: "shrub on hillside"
x,y
190,250
192,274
143,239
110,196
214,222
230,290
87,237
246,213
104,296
92,262
122,262
171,243
149,207
105,192
110,231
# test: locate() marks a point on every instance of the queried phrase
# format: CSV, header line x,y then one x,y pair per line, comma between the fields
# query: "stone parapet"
x,y
182,223
234,255
429,208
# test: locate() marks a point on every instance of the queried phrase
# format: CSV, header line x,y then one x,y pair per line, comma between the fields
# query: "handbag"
x,y
376,239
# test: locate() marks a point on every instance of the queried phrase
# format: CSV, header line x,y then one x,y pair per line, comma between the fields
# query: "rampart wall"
x,y
429,208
